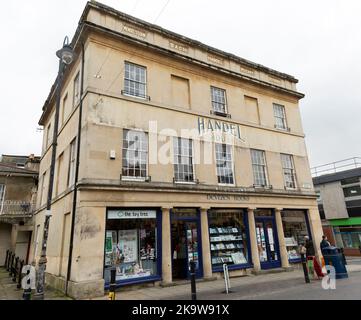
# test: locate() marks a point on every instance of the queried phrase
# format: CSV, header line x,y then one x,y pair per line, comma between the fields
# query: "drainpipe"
x,y
70,258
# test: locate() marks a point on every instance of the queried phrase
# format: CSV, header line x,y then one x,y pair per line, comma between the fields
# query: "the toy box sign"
x,y
132,214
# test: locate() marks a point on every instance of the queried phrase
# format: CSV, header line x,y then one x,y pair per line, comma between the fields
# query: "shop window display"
x,y
295,229
131,244
228,238
348,237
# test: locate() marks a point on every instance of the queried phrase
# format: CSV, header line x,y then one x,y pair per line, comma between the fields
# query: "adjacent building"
x,y
185,153
18,186
338,187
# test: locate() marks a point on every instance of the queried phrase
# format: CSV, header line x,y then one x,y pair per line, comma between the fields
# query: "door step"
x,y
275,270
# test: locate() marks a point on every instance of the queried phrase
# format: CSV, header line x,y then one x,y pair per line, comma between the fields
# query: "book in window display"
x,y
238,258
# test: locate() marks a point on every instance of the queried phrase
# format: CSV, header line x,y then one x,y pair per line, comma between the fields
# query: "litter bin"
x,y
333,257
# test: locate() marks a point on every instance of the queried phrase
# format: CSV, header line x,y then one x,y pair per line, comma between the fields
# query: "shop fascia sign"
x,y
132,214
217,128
226,197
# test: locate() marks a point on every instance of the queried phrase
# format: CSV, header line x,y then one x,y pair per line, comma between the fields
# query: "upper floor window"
x,y
2,197
259,167
224,163
135,82
48,136
219,103
63,110
183,160
280,116
76,95
72,156
352,191
288,171
318,194
135,154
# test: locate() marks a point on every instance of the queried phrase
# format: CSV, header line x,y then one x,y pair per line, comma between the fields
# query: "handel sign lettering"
x,y
219,128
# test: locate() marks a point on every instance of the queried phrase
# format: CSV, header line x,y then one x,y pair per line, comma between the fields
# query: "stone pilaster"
x,y
281,239
316,229
206,250
253,239
166,247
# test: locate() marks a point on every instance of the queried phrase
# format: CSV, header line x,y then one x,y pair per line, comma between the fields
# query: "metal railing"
x,y
337,166
13,208
14,266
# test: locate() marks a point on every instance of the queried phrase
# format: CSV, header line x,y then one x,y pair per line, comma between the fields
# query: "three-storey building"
x,y
186,153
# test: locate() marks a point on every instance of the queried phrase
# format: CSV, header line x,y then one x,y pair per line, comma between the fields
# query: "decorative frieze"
x,y
216,60
134,31
177,46
247,71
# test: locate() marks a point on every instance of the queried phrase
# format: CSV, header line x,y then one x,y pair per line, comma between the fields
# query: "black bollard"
x,y
15,270
11,267
112,284
193,280
6,258
9,261
305,271
20,277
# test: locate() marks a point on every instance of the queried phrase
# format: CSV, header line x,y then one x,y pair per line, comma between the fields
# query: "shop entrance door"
x,y
267,243
185,248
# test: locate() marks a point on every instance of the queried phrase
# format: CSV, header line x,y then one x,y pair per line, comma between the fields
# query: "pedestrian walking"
x,y
312,263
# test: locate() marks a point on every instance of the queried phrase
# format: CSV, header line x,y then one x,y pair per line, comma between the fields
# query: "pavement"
x,y
9,291
270,286
273,286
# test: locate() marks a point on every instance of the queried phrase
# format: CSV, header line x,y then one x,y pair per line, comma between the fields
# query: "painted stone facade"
x,y
173,100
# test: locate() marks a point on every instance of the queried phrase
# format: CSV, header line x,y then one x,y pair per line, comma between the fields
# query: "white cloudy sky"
x,y
317,41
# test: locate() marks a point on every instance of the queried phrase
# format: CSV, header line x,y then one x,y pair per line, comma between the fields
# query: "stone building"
x,y
18,186
185,153
338,187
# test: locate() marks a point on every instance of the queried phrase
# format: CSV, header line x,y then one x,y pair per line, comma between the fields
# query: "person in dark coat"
x,y
310,250
324,243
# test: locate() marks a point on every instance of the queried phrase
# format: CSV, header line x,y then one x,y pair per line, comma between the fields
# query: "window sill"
x,y
227,184
258,186
291,189
221,114
283,129
134,179
126,94
120,283
233,267
185,182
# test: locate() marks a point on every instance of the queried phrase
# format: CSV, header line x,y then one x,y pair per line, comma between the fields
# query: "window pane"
x,y
259,167
218,99
224,163
135,80
280,116
288,170
135,154
183,161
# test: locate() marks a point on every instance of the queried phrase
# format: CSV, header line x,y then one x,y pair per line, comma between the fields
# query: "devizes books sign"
x,y
226,197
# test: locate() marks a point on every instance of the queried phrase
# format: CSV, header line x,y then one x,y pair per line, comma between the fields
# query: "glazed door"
x,y
192,246
267,244
186,247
